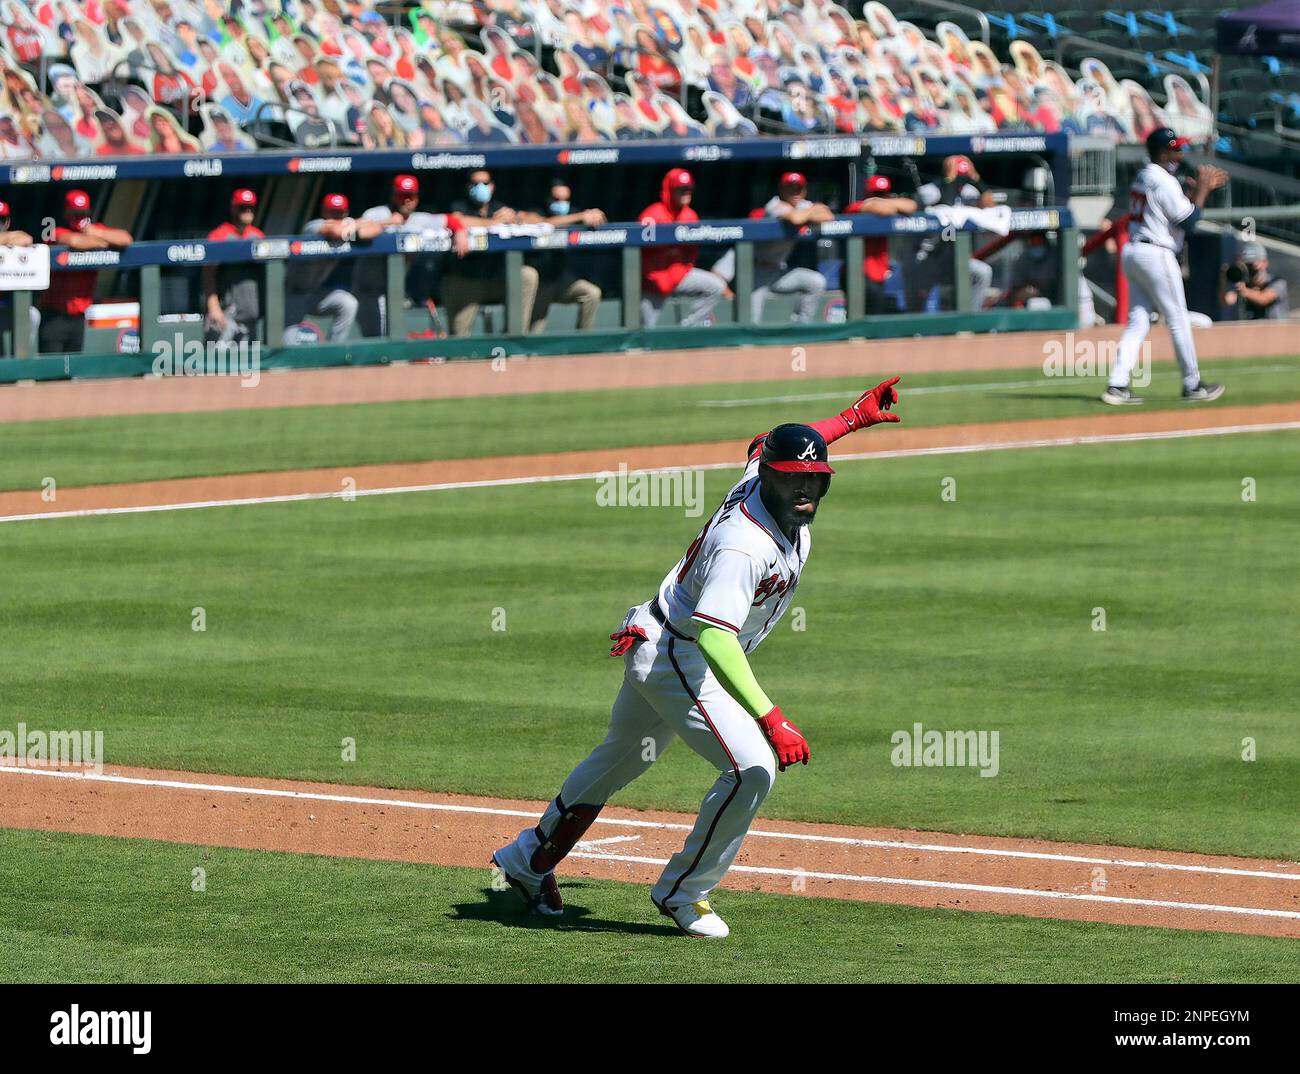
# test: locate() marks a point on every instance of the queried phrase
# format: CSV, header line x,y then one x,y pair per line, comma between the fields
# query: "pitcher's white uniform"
x,y
739,574
1157,210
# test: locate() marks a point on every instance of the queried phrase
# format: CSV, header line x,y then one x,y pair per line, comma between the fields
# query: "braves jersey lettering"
x,y
1158,207
773,584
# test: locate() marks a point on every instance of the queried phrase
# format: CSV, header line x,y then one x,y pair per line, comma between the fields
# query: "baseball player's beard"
x,y
790,513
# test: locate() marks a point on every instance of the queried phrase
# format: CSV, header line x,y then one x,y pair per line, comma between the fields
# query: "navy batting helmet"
x,y
1165,138
795,449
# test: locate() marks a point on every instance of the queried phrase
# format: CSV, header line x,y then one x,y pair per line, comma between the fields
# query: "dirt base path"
x,y
929,869
318,483
53,400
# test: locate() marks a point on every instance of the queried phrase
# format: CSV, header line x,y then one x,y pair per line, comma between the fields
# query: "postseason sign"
x,y
24,268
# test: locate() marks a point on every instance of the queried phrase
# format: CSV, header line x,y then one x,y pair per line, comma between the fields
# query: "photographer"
x,y
1251,290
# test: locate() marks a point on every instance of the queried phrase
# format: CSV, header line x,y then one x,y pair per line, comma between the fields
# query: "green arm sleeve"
x,y
728,662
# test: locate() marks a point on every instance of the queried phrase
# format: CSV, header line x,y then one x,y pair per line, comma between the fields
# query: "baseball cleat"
x,y
1202,393
1120,397
697,919
543,898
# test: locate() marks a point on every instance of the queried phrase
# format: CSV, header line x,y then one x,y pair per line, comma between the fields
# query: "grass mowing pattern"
x,y
373,620
288,918
92,451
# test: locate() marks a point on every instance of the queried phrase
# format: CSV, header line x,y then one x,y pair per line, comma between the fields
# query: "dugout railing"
x,y
391,256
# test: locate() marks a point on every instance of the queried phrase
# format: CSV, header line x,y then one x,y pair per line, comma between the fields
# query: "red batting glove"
x,y
872,407
787,741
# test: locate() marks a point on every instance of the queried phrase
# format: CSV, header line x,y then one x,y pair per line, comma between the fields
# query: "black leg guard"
x,y
573,823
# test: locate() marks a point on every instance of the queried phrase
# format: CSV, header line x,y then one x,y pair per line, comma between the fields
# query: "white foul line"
x,y
991,889
806,837
955,449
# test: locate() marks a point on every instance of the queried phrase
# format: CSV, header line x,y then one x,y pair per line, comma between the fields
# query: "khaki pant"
x,y
567,291
463,295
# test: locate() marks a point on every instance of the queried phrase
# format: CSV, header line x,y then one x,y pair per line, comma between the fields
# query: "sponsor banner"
x,y
706,153
611,237
650,151
187,253
270,249
424,243
80,173
836,227
319,164
587,156
84,259
707,233
29,173
1035,219
433,161
318,248
616,236
890,145
24,268
912,224
824,148
202,166
1008,143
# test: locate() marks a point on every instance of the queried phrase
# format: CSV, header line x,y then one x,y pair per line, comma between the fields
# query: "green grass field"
x,y
281,917
374,620
147,447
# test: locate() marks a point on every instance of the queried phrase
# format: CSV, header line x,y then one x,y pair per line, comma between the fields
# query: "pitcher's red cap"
x,y
680,179
406,184
4,209
793,179
76,201
879,184
334,203
243,197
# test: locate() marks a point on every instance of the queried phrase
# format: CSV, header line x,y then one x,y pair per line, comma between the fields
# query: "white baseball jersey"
x,y
1157,208
740,573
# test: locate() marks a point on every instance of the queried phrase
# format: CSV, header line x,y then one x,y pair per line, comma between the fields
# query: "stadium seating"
x,y
128,77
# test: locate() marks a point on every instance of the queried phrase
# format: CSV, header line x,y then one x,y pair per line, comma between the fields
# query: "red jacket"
x,y
662,267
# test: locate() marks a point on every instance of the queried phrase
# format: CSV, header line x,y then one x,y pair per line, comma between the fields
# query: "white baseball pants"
x,y
809,284
1155,284
668,691
703,286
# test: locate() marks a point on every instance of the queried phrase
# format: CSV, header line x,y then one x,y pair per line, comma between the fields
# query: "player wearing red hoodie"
x,y
670,270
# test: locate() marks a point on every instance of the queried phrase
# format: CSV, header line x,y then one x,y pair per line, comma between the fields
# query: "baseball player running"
x,y
686,673
1160,213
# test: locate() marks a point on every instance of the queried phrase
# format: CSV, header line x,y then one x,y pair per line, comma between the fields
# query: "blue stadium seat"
x,y
1166,22
1127,21
1047,22
1188,60
1008,25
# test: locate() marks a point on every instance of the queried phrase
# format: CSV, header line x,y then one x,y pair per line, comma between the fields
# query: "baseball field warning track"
x,y
1117,885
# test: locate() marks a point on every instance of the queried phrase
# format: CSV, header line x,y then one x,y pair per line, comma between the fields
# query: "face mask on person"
x,y
559,208
481,193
